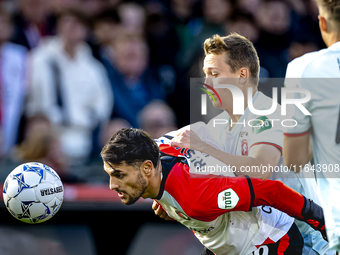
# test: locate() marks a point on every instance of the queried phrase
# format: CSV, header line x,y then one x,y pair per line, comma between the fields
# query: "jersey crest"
x,y
244,147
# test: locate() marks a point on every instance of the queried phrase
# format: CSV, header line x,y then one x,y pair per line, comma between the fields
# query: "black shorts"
x,y
290,244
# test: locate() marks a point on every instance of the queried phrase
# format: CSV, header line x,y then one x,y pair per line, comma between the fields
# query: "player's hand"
x,y
159,211
187,139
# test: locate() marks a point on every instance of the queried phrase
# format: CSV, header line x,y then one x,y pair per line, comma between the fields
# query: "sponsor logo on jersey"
x,y
202,231
244,147
182,215
227,199
261,124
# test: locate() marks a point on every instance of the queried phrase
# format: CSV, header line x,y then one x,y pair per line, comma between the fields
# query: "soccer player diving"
x,y
229,215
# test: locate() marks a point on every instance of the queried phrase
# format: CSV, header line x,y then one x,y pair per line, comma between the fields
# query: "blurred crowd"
x,y
75,71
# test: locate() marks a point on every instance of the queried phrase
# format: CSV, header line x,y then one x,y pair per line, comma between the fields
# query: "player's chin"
x,y
217,105
216,102
129,200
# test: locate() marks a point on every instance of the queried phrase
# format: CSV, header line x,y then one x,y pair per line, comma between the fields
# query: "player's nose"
x,y
208,81
113,185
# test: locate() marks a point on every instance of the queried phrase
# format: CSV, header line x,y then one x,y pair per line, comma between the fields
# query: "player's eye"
x,y
119,176
214,75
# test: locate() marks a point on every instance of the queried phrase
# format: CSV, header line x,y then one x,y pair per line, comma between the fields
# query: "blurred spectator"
x,y
132,80
297,49
157,118
70,87
91,8
12,84
182,14
107,27
41,144
59,6
150,49
248,7
274,20
161,35
306,32
182,10
164,44
244,25
31,22
112,127
133,17
215,13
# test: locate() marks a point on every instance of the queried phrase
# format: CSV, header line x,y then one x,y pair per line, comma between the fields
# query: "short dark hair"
x,y
332,7
130,146
239,50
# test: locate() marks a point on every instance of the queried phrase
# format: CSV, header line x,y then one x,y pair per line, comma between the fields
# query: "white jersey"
x,y
319,73
269,131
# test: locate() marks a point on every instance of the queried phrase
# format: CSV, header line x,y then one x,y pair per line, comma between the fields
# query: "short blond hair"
x,y
239,50
332,7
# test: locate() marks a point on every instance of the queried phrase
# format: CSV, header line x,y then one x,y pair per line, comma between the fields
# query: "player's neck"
x,y
333,39
235,118
154,185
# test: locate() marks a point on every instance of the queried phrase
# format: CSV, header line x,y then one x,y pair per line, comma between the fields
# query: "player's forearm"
x,y
285,199
242,165
310,149
279,196
297,151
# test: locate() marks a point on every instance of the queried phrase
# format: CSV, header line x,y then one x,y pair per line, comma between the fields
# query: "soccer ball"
x,y
33,192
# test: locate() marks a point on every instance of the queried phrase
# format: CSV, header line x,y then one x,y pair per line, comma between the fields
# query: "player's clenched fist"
x,y
187,139
159,211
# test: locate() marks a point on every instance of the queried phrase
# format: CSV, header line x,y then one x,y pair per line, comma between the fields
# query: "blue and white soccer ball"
x,y
33,192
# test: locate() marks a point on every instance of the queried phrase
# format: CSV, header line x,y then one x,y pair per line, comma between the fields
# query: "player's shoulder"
x,y
297,66
312,64
263,102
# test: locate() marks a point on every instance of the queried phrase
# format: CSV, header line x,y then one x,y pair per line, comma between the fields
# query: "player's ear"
x,y
322,23
244,75
147,167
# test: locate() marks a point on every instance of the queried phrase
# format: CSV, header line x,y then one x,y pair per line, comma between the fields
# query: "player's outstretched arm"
x,y
282,197
225,194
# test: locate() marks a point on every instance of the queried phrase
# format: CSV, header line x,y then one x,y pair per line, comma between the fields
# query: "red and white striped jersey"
x,y
218,209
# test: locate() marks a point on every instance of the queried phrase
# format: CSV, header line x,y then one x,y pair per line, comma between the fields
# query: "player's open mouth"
x,y
121,194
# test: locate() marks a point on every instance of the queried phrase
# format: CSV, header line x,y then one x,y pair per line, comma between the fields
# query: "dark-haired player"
x,y
218,209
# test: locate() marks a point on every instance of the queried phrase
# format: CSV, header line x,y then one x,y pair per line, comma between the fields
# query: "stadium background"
x,y
150,49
